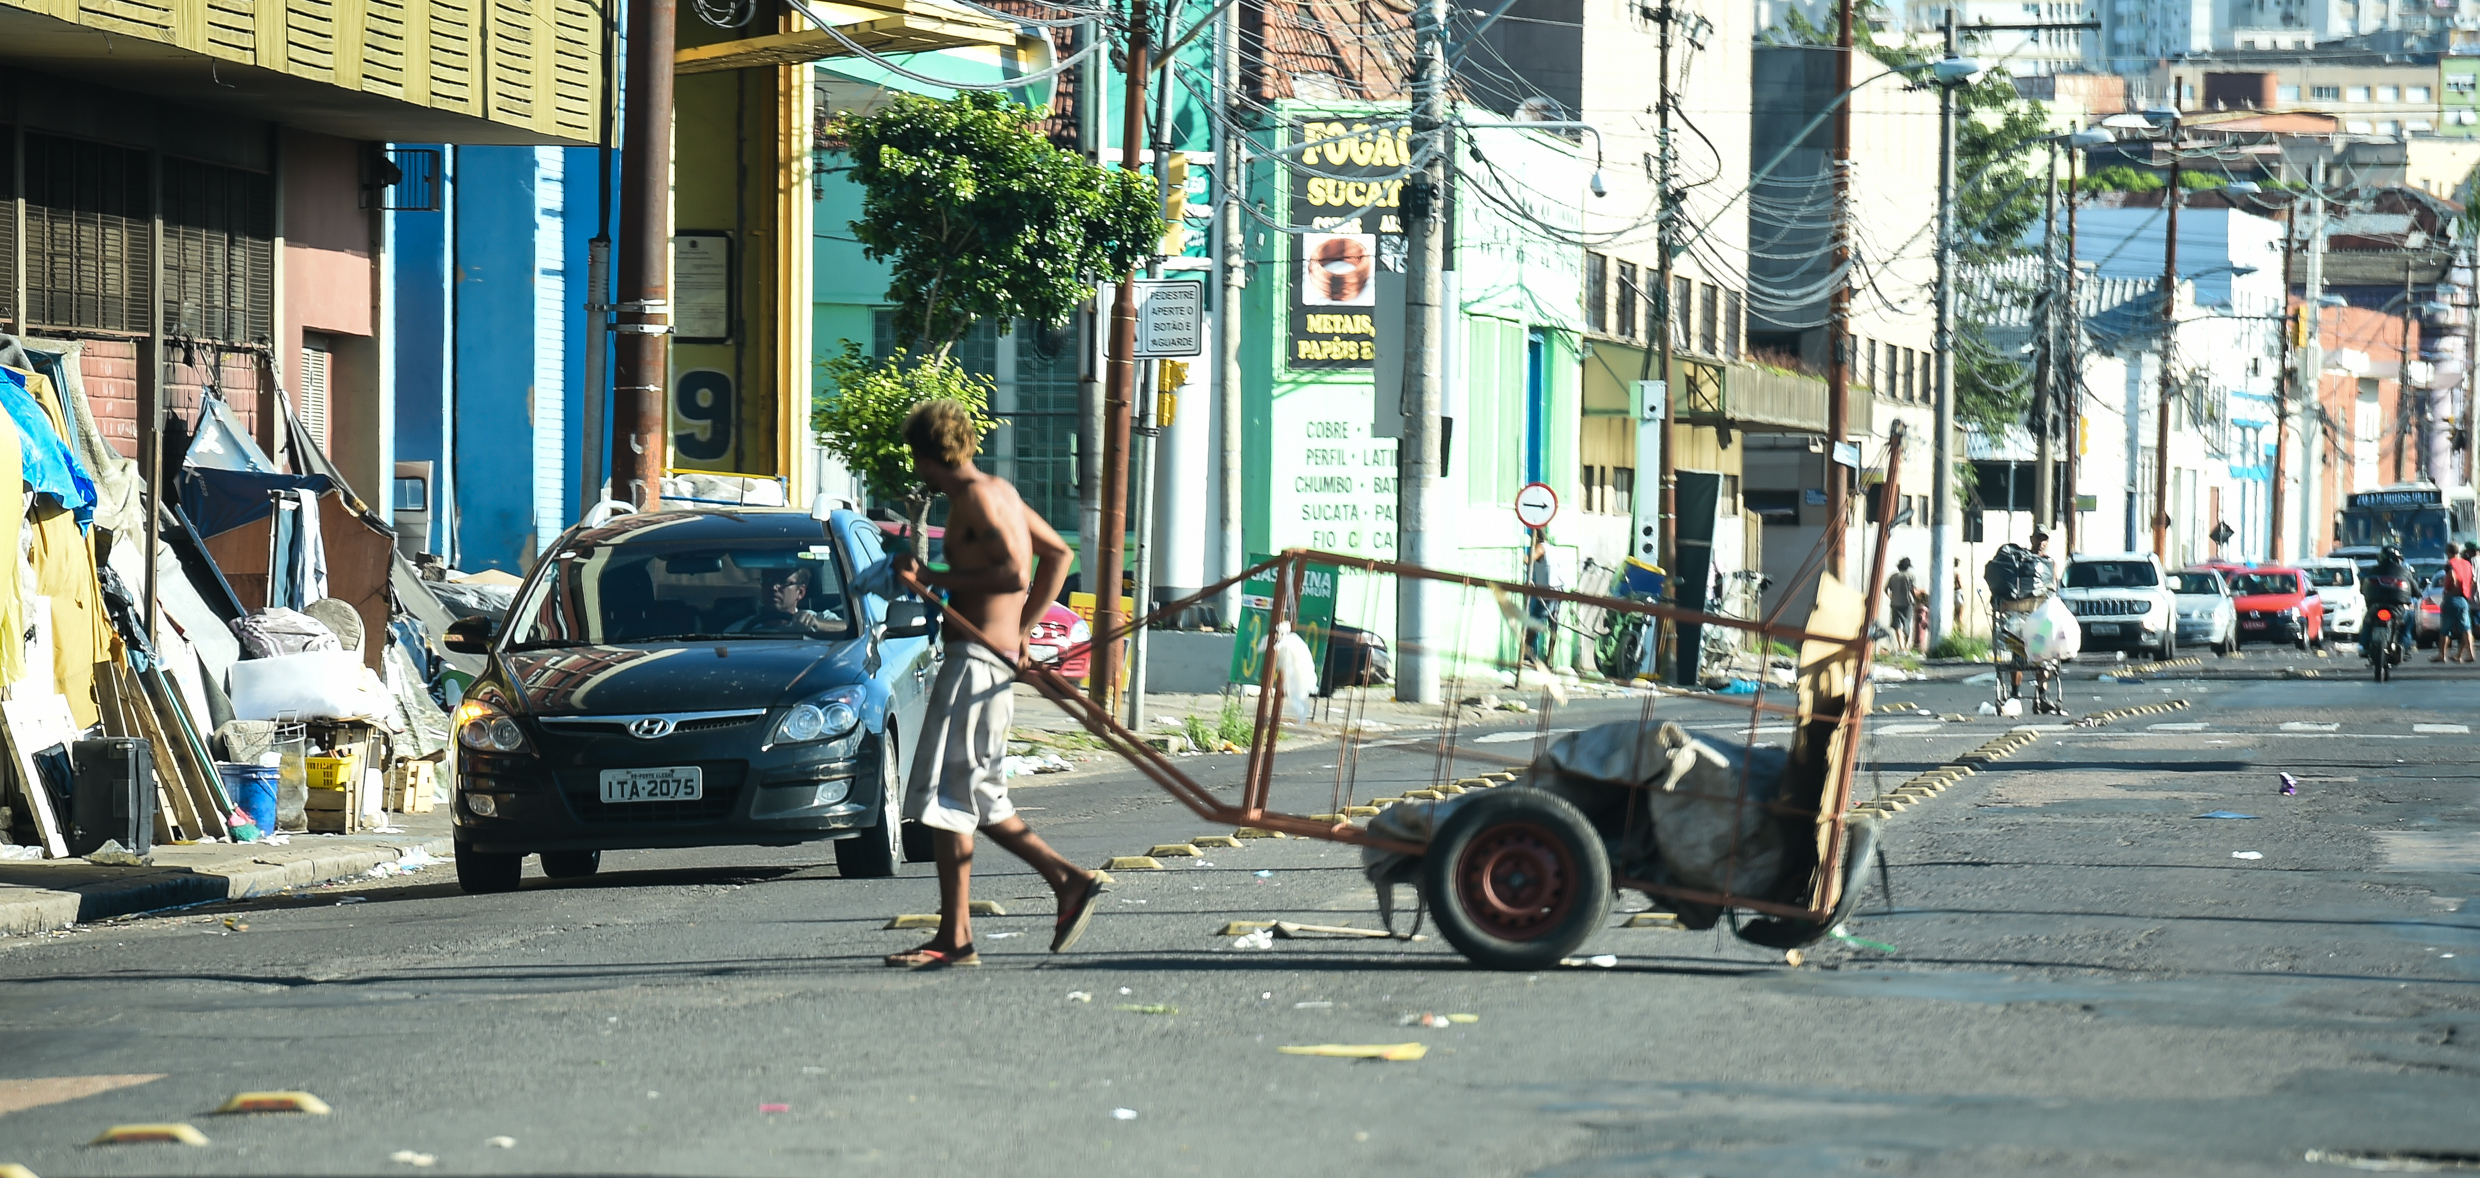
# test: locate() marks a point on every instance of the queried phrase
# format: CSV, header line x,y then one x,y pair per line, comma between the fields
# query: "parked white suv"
x,y
2336,581
2123,602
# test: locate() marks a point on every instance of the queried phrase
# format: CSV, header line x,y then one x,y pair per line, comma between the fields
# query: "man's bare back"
x,y
987,533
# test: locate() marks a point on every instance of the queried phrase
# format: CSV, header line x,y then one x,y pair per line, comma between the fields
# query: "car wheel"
x,y
480,872
875,853
2169,648
571,864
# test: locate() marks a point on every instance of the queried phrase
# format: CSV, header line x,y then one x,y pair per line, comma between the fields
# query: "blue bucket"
x,y
253,788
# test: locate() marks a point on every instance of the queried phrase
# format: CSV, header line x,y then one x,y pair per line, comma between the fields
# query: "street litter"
x,y
1287,929
1839,933
1740,687
1265,875
774,1108
1150,1008
1424,1020
1392,1052
1004,936
236,924
1983,677
1463,1019
341,901
410,1158
1022,766
2225,814
113,854
1126,990
2290,785
1079,996
1988,708
1123,1114
11,851
501,1142
2247,854
1313,1005
1261,939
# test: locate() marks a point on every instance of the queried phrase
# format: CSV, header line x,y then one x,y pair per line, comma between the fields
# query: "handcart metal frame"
x,y
1509,892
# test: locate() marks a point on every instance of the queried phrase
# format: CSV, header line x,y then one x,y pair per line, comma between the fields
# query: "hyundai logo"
x,y
651,728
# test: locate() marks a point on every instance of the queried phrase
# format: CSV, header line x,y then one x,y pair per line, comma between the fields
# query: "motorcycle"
x,y
2381,640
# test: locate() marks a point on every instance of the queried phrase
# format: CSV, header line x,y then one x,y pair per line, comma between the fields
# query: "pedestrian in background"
x,y
1542,611
2462,603
1901,598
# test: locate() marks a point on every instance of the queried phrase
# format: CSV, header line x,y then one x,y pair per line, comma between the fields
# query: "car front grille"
x,y
682,723
2109,607
722,787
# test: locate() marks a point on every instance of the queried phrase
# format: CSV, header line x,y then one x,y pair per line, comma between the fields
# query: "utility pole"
x,y
1666,232
2284,386
640,426
2044,382
2169,350
1425,321
1231,171
2403,407
1117,390
2073,333
1942,440
1838,304
2311,356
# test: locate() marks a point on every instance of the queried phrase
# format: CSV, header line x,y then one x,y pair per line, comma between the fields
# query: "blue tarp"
x,y
217,501
51,467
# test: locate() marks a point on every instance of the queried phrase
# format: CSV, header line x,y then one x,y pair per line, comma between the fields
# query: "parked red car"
x,y
2278,605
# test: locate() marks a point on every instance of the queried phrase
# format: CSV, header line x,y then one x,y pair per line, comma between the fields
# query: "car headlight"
x,y
2293,613
825,718
486,727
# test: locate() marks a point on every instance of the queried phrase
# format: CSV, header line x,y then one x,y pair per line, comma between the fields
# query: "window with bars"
x,y
1035,396
1596,292
1709,323
1731,318
1683,313
1629,294
88,245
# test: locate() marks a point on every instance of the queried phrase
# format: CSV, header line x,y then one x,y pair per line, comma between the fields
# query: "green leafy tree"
x,y
863,423
983,218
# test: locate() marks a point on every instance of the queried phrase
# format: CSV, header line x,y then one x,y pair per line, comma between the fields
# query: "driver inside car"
x,y
780,608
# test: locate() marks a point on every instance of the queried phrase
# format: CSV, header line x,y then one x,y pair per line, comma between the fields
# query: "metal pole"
x,y
598,340
1090,333
151,386
1117,390
2044,380
1942,441
1666,461
1143,477
2403,405
2169,352
2312,367
2073,334
641,371
1425,332
1838,305
2282,391
1231,168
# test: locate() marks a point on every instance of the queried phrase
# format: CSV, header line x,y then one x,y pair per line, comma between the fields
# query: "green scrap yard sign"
x,y
1314,609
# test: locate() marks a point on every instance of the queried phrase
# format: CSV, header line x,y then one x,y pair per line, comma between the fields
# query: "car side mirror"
x,y
907,619
472,635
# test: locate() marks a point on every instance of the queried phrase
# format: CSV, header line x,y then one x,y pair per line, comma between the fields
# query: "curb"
x,y
37,910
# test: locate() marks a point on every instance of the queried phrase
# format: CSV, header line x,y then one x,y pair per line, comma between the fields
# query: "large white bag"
x,y
312,685
2047,633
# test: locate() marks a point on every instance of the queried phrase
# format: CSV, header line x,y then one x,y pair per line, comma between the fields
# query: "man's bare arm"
x,y
1050,566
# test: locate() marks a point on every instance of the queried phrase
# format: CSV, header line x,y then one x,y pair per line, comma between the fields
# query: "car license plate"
x,y
682,784
2104,627
2252,624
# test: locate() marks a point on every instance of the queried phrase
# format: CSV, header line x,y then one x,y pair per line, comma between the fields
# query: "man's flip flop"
x,y
1072,922
928,958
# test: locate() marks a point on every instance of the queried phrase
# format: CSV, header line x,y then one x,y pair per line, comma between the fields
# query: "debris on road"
x,y
1391,1052
2290,785
2225,814
1123,1114
1261,939
1313,1006
1079,996
501,1142
765,1109
1288,929
1423,1020
2247,854
1150,1008
416,1160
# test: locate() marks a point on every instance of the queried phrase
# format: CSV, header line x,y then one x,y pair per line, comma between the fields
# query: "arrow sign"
x,y
1537,505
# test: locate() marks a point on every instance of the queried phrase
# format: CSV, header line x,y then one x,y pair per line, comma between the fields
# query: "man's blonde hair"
x,y
945,428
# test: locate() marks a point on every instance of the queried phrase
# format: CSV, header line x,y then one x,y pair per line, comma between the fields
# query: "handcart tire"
x,y
1861,833
1517,879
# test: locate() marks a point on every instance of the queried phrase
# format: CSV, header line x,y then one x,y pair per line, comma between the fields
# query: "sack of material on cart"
x,y
1672,807
2046,633
2016,575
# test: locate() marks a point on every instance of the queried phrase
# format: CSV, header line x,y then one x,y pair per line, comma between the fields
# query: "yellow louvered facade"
x,y
531,64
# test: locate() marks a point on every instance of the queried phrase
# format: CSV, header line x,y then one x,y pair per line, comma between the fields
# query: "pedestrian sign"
x,y
1170,318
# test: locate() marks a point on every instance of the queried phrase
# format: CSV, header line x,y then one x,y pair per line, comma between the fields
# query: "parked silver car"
x,y
2206,616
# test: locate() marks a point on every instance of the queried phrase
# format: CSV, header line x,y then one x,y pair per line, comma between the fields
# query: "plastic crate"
x,y
335,772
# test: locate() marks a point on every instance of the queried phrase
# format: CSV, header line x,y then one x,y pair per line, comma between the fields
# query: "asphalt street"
x,y
2085,975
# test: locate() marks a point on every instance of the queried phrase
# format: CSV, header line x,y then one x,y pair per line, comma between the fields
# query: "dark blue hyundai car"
x,y
692,679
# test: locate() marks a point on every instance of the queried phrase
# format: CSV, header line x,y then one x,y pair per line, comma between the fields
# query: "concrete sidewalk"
x,y
47,894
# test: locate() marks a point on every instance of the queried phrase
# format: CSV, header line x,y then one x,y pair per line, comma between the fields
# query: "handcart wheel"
x,y
1517,879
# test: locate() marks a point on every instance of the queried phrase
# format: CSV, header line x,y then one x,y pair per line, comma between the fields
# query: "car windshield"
x,y
2194,583
2111,574
650,591
2333,577
2246,583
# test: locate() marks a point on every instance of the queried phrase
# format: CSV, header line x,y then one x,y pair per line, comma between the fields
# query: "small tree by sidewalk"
x,y
982,219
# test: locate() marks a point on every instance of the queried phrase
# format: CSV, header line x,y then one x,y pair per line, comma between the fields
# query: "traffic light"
x,y
2303,325
1175,202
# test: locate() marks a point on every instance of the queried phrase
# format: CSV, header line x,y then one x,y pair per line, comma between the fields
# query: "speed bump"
x,y
1133,863
1222,841
175,1134
1360,811
1173,851
275,1102
1254,832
